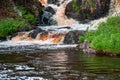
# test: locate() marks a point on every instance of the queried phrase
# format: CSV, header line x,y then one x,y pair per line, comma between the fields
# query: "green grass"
x,y
30,17
107,37
26,15
81,39
10,25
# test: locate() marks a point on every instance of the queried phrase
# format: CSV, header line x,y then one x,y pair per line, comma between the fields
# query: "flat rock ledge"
x,y
27,47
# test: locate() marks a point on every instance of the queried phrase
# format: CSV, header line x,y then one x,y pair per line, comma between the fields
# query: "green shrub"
x,y
9,9
107,37
26,15
92,3
81,39
10,25
30,18
90,35
22,10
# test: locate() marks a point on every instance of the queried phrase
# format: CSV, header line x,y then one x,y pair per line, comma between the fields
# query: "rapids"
x,y
54,34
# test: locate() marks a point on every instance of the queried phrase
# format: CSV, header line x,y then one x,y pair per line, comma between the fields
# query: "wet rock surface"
x,y
87,10
45,17
35,32
56,2
72,37
32,6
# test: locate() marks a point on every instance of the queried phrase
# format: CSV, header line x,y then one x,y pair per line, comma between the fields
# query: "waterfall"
x,y
114,8
60,12
56,34
53,34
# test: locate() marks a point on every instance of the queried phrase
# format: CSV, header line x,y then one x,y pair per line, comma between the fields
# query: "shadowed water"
x,y
58,65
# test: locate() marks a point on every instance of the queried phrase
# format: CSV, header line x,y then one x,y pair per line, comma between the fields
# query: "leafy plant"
x,y
9,9
30,18
10,25
26,15
22,9
82,38
92,4
107,37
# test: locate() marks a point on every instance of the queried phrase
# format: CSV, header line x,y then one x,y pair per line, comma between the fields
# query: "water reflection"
x,y
62,65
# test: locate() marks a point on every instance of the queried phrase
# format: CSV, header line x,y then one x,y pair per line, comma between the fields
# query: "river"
x,y
58,65
34,55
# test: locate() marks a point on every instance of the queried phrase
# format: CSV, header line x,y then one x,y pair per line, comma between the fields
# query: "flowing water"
x,y
58,65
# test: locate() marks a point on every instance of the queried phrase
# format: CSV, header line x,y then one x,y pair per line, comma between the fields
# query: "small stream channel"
x,y
58,65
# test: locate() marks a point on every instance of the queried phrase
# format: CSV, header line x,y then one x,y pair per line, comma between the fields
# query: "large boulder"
x,y
45,17
72,37
85,10
33,34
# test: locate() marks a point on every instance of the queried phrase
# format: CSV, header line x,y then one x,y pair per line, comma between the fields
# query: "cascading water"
x,y
50,32
54,34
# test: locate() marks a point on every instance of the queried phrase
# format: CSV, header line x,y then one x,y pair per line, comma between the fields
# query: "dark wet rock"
x,y
67,27
45,17
35,32
3,39
90,11
56,2
72,37
13,35
85,47
39,20
50,10
70,11
44,33
20,29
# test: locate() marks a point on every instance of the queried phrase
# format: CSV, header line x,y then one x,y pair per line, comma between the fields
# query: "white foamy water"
x,y
60,16
52,30
38,44
71,27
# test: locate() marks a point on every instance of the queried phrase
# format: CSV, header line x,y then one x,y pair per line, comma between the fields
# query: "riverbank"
x,y
106,39
17,16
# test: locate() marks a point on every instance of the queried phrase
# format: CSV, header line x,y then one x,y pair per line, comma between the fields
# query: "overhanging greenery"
x,y
10,25
107,37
